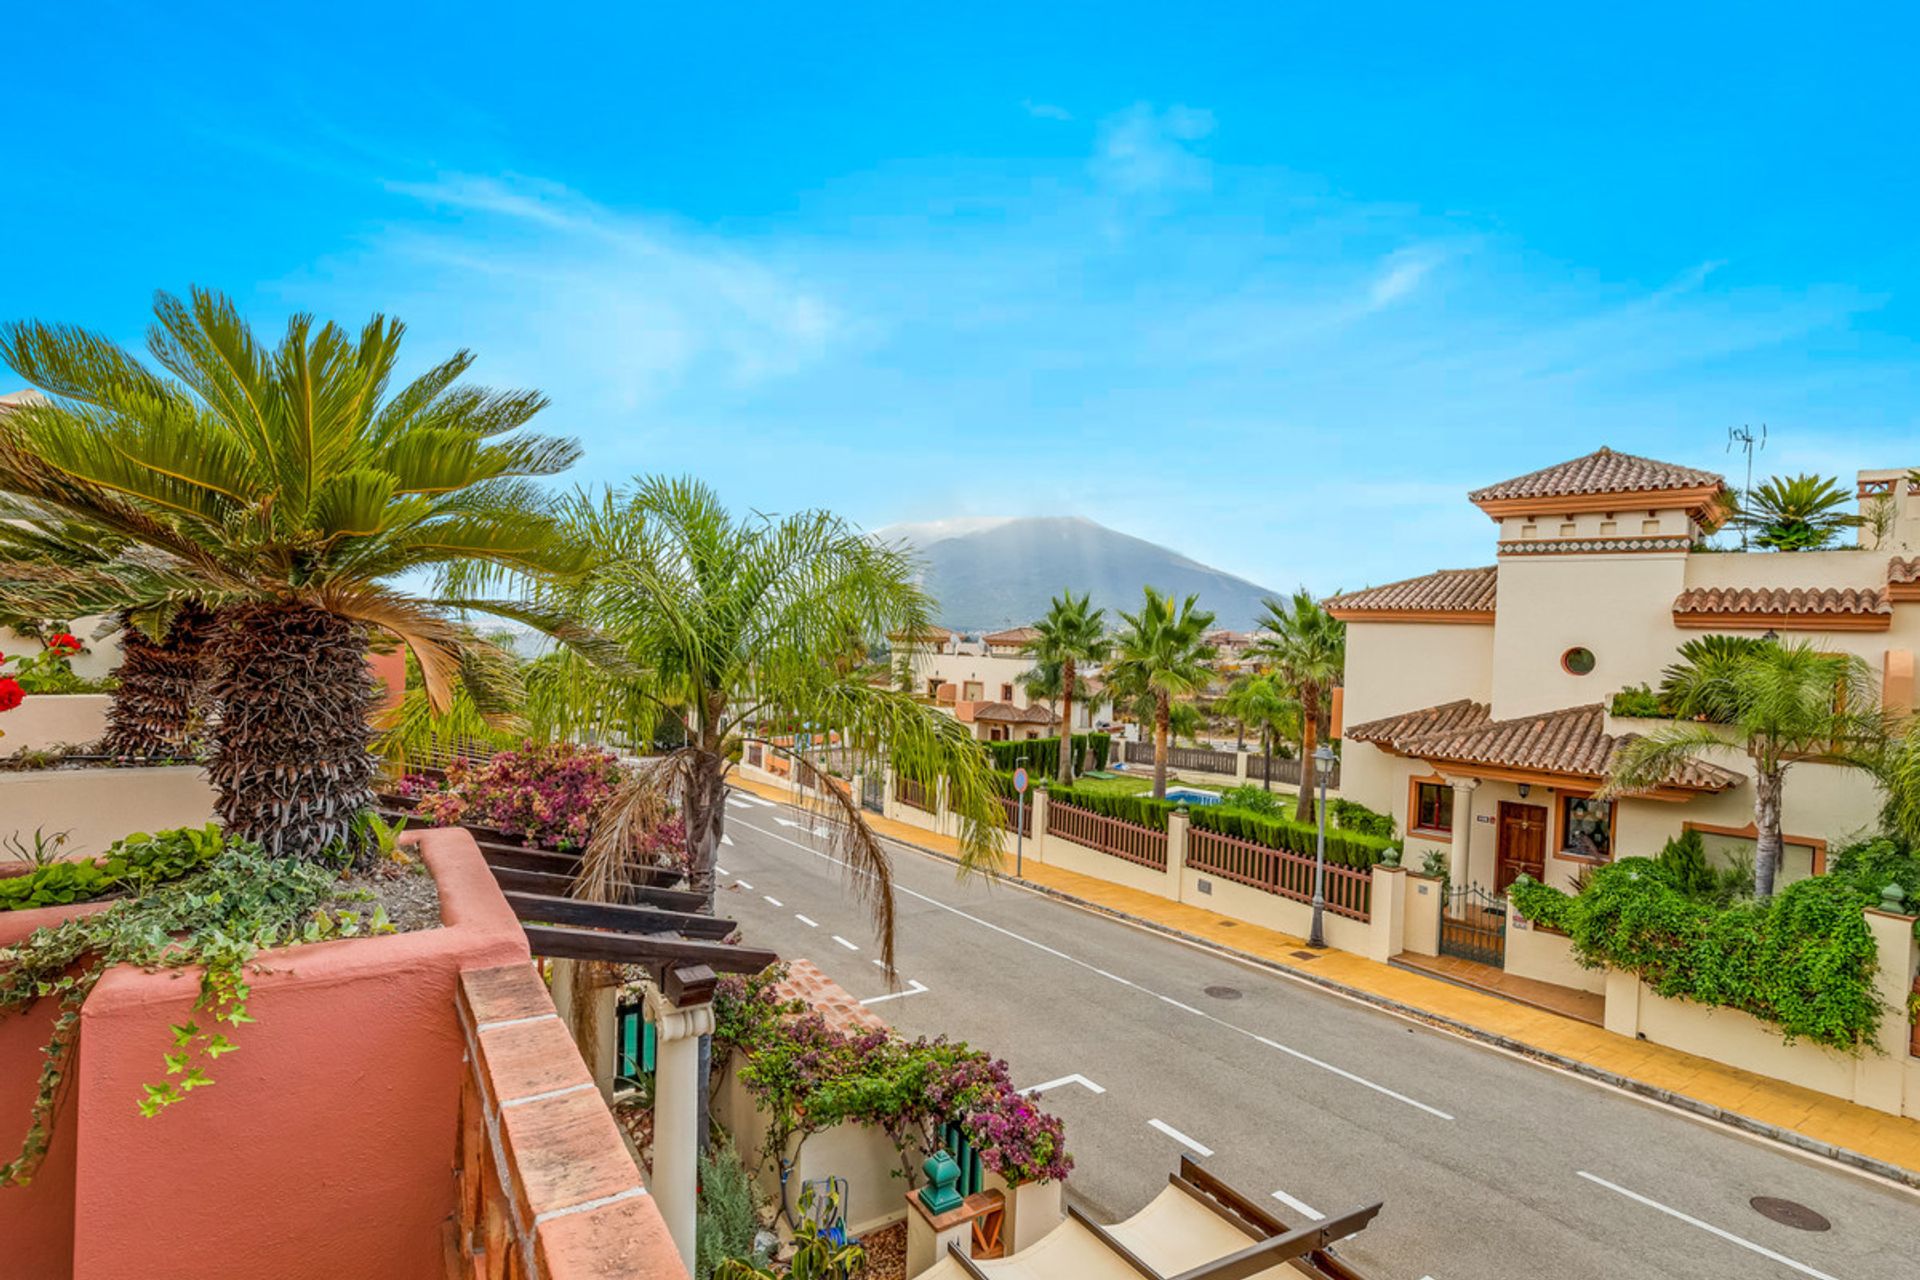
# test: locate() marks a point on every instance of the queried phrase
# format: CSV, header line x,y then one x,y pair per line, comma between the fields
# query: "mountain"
x,y
991,574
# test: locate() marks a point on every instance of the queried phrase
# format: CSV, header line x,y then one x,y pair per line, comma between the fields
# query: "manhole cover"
x,y
1226,924
1306,955
1789,1213
1223,993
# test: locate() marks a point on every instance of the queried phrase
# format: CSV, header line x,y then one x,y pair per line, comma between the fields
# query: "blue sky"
x,y
1272,284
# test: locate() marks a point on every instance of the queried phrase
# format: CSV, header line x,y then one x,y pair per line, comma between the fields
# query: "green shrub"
x,y
1350,815
1684,861
1803,961
728,1217
1869,866
1256,799
132,864
1043,754
1139,808
1641,701
1354,849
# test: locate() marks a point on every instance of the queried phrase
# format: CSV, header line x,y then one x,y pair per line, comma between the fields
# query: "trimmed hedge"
x,y
1141,809
1351,815
1804,960
1346,848
1043,754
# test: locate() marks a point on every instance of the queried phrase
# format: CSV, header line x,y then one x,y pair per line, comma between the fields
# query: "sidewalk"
x,y
1814,1122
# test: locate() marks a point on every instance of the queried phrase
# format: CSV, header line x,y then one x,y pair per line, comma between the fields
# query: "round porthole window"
x,y
1577,661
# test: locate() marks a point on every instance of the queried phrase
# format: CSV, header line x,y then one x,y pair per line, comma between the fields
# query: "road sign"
x,y
1020,780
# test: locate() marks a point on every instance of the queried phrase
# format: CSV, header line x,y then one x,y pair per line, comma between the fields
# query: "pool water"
x,y
1188,796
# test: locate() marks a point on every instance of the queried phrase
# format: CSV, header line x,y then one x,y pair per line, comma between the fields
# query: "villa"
x,y
979,683
1479,702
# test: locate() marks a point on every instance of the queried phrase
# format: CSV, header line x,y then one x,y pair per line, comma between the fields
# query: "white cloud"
x,y
1143,151
638,304
1045,110
1401,274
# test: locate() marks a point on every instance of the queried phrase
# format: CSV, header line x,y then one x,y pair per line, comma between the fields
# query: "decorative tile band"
x,y
1588,546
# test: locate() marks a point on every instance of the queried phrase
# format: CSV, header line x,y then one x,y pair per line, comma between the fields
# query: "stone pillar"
x,y
1622,1011
887,803
1460,855
676,1114
1179,823
1240,759
1880,1079
1387,918
1422,920
597,1047
1037,842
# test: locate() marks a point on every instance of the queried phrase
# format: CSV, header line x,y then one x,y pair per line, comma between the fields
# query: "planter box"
x,y
325,1147
95,807
54,719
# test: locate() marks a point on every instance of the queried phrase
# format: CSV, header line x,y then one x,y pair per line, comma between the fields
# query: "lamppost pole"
x,y
1322,765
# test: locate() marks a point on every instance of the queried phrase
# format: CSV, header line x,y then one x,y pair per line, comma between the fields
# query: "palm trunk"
x,y
1767,785
154,712
1065,770
1309,738
292,766
705,810
1266,756
1162,722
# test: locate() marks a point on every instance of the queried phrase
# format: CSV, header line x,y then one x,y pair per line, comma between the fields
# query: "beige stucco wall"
x,y
1546,956
1271,911
45,720
1850,568
1618,606
98,806
1403,666
101,657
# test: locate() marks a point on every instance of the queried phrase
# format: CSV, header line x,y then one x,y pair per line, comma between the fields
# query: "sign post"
x,y
1020,820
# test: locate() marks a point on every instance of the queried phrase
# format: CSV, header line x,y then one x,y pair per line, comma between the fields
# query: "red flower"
x,y
11,694
63,643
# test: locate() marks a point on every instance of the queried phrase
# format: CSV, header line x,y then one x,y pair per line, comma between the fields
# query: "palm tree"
x,y
1159,656
1797,513
284,488
737,630
1307,647
1780,704
1073,632
1261,702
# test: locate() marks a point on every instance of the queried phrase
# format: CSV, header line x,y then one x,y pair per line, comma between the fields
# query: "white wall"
x,y
1619,606
1403,666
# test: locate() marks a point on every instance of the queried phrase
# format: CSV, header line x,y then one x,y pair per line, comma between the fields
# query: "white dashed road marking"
x,y
1058,954
1708,1227
1300,1205
1180,1137
773,901
811,924
843,942
743,884
914,987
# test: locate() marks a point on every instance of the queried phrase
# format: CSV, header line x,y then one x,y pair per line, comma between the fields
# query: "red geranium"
x,y
64,644
11,694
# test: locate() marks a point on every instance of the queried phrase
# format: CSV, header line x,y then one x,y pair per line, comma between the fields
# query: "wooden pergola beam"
x,y
1265,1254
510,878
546,908
561,943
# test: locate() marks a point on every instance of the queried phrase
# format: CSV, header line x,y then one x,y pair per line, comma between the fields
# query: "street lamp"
x,y
1322,765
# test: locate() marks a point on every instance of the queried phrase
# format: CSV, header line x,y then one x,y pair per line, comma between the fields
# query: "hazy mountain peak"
x,y
987,573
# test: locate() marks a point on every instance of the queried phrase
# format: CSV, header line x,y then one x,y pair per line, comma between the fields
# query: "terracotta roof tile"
x,y
1018,635
1574,741
1448,591
1811,601
1602,471
805,981
1007,713
1903,570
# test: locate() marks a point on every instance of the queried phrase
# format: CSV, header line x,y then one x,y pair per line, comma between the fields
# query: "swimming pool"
x,y
1189,796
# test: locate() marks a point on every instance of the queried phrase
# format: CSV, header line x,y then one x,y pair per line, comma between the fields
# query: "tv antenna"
x,y
1749,443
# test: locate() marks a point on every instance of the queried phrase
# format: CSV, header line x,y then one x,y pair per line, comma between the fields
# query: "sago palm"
x,y
285,487
1307,647
1161,656
739,632
1797,513
1779,704
1072,633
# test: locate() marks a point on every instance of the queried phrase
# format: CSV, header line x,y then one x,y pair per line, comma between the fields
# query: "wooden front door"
x,y
1523,843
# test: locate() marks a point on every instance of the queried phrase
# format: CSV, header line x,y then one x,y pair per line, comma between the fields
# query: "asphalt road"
x,y
1489,1165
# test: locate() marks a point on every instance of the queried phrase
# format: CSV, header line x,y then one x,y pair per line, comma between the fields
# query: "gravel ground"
x,y
886,1253
408,892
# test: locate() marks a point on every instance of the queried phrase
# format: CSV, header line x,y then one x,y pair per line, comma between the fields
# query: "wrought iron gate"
x,y
1474,926
873,790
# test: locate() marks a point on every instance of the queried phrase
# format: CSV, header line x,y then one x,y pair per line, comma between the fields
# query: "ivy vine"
x,y
240,902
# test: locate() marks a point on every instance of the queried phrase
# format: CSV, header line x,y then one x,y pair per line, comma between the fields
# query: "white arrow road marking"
x,y
1082,1081
914,988
811,924
1708,1227
1301,1206
726,839
843,942
1180,1137
773,900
